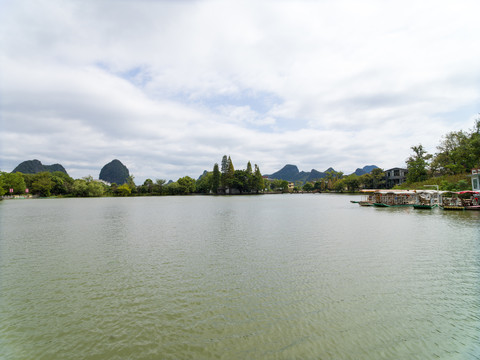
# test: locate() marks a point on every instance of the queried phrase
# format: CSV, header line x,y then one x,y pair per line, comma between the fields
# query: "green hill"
x,y
114,172
35,166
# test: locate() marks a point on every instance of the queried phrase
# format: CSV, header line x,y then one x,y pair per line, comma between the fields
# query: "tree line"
x,y
224,181
458,153
336,181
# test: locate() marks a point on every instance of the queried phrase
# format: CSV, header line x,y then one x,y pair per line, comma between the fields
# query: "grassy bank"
x,y
457,182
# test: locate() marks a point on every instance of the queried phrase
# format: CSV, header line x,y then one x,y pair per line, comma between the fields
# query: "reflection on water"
x,y
294,276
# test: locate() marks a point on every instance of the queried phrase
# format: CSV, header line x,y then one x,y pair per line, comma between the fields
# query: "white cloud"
x,y
169,87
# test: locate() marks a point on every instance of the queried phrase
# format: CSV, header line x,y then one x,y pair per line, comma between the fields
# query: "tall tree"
x,y
258,183
224,164
229,174
224,170
231,169
417,164
378,178
215,178
249,168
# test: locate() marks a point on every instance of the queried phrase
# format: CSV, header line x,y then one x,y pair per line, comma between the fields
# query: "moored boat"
x,y
423,206
394,198
451,201
462,200
367,200
426,199
470,199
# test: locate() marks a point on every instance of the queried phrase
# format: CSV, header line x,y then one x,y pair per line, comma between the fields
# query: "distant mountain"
x,y
291,173
365,170
205,173
288,172
35,166
114,172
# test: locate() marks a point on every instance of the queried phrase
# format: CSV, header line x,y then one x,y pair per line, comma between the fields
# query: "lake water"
x,y
248,277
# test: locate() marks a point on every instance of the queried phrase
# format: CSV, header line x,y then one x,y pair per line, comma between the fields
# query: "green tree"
x,y
417,164
80,188
463,185
14,181
42,184
249,168
95,189
339,185
278,184
453,155
204,183
378,178
308,187
230,173
331,178
186,185
224,170
2,185
29,179
374,180
147,187
215,178
158,188
123,190
62,183
458,152
258,183
172,188
131,184
352,183
240,181
112,189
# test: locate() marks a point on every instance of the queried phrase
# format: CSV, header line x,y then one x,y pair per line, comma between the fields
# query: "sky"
x,y
169,87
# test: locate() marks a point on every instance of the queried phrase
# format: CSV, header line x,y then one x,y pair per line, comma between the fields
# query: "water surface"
x,y
270,277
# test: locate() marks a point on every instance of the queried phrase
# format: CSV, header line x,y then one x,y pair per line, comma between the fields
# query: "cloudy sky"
x,y
169,87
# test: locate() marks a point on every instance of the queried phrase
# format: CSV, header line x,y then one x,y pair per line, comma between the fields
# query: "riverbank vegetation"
x,y
59,184
458,153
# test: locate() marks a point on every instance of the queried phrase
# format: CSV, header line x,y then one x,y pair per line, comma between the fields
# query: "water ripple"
x,y
273,277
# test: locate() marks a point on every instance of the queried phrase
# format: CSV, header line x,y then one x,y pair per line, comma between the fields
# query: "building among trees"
x,y
395,176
